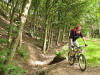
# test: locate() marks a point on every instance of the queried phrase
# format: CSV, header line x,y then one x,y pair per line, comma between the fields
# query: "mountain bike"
x,y
78,56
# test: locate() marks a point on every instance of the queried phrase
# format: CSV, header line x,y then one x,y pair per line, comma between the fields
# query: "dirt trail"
x,y
63,68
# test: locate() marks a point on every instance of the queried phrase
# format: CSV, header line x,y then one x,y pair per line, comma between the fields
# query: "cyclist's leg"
x,y
76,44
70,49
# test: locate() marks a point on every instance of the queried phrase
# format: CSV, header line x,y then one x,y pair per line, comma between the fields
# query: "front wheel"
x,y
71,60
82,62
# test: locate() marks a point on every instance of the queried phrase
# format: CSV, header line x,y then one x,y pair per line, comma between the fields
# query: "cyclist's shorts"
x,y
76,44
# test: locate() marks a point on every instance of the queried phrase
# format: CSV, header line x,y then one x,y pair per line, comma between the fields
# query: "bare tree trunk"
x,y
25,9
58,37
49,36
34,22
59,30
46,26
34,27
92,31
45,40
99,29
16,42
64,34
11,23
51,41
68,28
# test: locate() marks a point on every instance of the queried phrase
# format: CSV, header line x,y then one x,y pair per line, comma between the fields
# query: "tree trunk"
x,y
92,31
11,23
63,38
33,25
46,26
16,42
59,19
34,20
49,36
58,37
99,29
51,41
45,38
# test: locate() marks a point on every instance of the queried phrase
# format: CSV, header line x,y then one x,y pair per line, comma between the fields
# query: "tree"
x,y
11,23
19,35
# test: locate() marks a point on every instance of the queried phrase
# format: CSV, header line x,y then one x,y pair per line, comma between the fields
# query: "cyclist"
x,y
74,35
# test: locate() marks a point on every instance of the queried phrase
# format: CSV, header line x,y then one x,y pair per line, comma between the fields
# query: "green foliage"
x,y
0,30
43,72
3,67
2,12
7,28
58,53
3,40
4,55
16,70
92,52
23,52
3,59
61,52
14,29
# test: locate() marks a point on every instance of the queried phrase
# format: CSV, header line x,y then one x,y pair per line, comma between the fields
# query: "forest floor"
x,y
38,63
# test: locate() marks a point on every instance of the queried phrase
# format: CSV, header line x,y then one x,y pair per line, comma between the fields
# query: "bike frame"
x,y
79,51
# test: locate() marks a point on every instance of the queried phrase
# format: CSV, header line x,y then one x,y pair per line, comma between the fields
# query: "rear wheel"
x,y
82,62
71,60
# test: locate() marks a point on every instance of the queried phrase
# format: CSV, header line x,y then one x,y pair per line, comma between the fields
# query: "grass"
x,y
91,52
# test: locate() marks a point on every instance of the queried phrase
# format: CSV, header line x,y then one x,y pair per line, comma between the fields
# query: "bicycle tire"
x,y
71,60
83,61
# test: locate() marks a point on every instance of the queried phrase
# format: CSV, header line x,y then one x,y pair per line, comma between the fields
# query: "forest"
x,y
34,32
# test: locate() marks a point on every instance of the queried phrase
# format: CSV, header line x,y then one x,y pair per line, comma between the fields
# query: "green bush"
x,y
43,72
0,30
23,52
3,40
62,52
4,55
3,59
3,13
3,67
16,70
14,29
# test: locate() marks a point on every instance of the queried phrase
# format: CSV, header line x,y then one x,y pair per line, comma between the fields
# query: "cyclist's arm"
x,y
84,40
71,41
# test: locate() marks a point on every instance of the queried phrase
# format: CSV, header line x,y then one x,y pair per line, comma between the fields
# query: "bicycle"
x,y
78,55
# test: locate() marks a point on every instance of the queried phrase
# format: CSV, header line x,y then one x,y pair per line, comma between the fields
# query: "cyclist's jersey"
x,y
75,36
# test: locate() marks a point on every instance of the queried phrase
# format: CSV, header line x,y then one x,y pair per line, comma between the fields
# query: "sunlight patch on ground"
x,y
32,62
47,56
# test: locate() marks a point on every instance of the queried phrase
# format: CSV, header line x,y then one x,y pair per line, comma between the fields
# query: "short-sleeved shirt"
x,y
74,35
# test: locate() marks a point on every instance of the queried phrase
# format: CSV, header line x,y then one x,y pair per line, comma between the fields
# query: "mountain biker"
x,y
74,35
